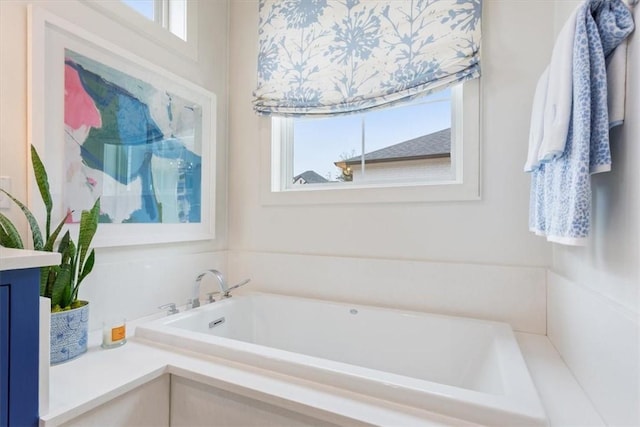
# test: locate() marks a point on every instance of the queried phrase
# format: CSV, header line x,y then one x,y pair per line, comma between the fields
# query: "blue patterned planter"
x,y
69,331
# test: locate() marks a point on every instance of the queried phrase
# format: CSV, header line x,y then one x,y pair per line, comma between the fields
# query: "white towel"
x,y
536,130
557,109
616,83
550,119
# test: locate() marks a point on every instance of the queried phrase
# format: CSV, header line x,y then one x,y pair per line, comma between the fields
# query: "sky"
x,y
143,7
321,142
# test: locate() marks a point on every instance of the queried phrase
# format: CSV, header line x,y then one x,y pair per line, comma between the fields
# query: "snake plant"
x,y
61,282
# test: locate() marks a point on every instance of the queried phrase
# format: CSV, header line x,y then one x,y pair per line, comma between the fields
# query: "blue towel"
x,y
561,189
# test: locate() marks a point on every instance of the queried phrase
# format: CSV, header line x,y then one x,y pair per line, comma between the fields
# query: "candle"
x,y
114,333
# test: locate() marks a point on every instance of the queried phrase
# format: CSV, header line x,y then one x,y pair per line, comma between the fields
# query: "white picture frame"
x,y
168,217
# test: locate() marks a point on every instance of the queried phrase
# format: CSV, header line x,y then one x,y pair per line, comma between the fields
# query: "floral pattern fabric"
x,y
324,57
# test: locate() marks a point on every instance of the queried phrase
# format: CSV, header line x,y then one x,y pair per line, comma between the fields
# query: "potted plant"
x,y
59,283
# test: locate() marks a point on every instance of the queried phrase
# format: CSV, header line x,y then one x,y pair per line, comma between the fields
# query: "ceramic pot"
x,y
69,333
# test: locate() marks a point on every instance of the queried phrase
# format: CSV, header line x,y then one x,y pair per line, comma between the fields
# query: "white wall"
x,y
130,280
594,299
515,295
492,232
427,169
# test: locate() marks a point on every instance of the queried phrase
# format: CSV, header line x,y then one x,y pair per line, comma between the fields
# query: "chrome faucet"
x,y
195,300
224,289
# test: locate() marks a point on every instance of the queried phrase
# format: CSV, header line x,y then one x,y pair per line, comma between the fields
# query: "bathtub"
x,y
468,369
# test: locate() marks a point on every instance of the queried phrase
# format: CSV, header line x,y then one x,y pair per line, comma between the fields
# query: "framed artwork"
x,y
108,124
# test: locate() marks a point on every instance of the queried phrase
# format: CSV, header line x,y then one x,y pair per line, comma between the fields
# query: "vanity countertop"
x,y
14,259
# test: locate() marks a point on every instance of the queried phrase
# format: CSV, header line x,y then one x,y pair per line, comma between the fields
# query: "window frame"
x,y
158,30
276,136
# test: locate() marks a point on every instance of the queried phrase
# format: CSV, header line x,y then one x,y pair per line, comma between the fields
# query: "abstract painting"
x,y
121,125
135,145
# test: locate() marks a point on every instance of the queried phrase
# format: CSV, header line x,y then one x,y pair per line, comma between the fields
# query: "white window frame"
x,y
159,30
276,135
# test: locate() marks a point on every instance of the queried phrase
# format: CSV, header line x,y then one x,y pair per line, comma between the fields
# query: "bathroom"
x,y
476,258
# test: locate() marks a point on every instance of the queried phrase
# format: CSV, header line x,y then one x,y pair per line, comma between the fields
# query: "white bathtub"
x,y
463,368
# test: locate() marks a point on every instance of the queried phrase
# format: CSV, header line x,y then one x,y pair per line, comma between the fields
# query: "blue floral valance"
x,y
323,57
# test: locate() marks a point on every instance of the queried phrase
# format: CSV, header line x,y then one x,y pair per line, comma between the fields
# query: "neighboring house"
x,y
426,157
309,177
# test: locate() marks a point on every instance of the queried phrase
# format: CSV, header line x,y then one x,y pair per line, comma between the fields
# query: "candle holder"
x,y
114,332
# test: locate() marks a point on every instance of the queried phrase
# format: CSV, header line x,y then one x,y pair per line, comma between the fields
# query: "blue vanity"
x,y
19,334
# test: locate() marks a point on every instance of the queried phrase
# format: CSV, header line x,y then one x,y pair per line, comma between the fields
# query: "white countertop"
x,y
14,259
564,401
101,375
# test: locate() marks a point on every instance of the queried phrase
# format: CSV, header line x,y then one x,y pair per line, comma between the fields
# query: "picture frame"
x,y
109,124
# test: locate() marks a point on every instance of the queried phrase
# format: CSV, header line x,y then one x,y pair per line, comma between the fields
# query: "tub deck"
x,y
465,368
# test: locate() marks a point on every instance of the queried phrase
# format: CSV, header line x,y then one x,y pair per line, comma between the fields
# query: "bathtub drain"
x,y
216,322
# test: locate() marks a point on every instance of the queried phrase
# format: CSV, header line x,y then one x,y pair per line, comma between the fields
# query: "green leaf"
x,y
48,246
44,278
88,266
47,277
43,185
71,257
62,287
86,269
5,239
10,236
88,228
52,273
67,296
63,247
38,244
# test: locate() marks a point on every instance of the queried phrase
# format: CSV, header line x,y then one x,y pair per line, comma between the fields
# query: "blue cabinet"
x,y
19,342
4,355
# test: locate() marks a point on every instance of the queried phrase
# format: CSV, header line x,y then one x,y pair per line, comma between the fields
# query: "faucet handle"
x,y
171,308
236,286
193,303
210,295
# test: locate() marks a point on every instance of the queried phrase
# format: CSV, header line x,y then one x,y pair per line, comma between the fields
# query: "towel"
x,y
557,110
616,84
536,131
560,184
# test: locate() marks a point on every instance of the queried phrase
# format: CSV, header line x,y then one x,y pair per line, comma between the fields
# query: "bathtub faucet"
x,y
224,289
195,300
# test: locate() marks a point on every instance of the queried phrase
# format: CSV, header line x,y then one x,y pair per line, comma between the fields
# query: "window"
x,y
170,14
172,24
422,151
146,8
409,143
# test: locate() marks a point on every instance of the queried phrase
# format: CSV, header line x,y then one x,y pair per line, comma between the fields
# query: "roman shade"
x,y
326,57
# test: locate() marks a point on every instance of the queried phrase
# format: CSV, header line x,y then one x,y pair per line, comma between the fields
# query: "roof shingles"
x,y
310,177
437,144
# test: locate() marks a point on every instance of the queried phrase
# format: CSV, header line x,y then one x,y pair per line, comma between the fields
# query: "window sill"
x,y
439,192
